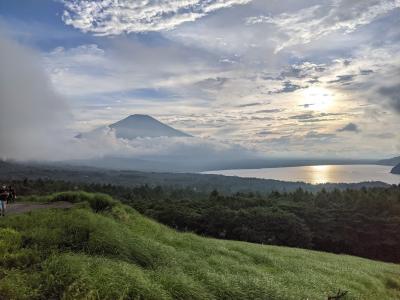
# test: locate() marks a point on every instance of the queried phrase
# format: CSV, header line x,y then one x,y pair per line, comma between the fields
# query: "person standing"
x,y
12,195
3,199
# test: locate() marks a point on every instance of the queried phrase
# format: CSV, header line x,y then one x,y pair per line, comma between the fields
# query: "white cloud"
x,y
215,67
311,23
113,17
215,102
32,115
103,142
34,118
126,65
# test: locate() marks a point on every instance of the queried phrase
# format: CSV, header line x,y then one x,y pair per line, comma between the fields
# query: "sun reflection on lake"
x,y
321,174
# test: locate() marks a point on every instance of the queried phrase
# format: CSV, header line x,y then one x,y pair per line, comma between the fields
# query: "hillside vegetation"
x,y
363,222
101,249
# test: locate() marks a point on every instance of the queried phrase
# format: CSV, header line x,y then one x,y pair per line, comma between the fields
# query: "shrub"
x,y
98,202
9,240
101,202
22,258
18,285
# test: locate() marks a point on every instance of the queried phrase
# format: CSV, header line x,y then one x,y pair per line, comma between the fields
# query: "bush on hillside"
x,y
97,201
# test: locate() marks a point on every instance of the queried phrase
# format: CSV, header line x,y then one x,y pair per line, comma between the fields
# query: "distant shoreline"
x,y
263,164
317,174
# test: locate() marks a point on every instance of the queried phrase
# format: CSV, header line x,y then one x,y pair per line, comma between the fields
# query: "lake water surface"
x,y
319,174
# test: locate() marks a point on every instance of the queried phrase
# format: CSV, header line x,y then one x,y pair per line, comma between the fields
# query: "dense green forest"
x,y
199,182
364,222
101,249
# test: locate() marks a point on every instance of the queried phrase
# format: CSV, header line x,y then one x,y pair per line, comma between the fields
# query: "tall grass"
x,y
104,250
97,201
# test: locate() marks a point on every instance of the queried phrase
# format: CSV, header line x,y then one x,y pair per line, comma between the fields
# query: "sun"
x,y
317,98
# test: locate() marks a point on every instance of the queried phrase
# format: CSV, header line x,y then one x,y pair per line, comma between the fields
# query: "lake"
x,y
319,174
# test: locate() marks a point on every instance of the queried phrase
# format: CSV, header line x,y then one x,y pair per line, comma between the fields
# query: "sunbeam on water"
x,y
320,174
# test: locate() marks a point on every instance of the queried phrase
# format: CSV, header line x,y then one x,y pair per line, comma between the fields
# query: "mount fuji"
x,y
136,126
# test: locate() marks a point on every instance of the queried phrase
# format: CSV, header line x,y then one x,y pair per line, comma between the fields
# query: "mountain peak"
x,y
139,116
136,117
139,125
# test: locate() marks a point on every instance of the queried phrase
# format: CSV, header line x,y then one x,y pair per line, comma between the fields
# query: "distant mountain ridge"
x,y
137,125
390,161
396,170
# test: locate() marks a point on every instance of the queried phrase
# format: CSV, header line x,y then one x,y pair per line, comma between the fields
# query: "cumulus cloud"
x,y
288,87
270,111
102,148
343,79
319,136
31,113
393,94
303,70
113,17
349,127
372,75
104,139
114,69
311,23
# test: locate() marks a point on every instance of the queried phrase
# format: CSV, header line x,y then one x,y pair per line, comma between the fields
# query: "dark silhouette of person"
x,y
12,195
3,199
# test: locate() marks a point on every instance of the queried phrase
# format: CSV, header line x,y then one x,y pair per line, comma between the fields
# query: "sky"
x,y
310,79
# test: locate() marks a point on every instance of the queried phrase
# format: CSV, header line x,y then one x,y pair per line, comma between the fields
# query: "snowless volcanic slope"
x,y
143,126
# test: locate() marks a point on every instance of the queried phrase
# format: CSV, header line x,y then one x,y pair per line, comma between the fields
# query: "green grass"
x,y
101,249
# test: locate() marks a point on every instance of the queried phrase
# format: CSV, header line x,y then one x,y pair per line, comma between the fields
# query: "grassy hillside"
x,y
101,249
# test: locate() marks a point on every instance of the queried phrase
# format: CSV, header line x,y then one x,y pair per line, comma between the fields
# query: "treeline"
x,y
364,222
200,182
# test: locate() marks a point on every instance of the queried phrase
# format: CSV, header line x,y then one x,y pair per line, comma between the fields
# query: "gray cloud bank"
x,y
393,94
349,127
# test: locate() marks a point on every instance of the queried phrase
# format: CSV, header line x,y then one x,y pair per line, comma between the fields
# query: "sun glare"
x,y
320,174
317,98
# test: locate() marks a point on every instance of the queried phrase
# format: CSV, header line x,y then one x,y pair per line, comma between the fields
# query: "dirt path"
x,y
21,207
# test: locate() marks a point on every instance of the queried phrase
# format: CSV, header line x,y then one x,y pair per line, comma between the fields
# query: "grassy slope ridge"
x,y
101,249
